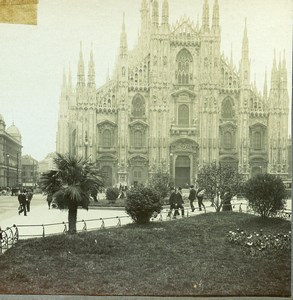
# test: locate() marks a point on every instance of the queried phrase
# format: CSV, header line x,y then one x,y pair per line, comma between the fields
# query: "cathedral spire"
x,y
165,13
245,63
265,87
123,39
69,78
280,66
80,72
64,82
91,70
205,17
216,18
245,47
284,72
144,15
155,14
274,75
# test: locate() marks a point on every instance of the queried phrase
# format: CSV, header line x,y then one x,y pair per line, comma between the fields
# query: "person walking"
x,y
29,197
200,194
22,203
172,202
49,200
226,198
191,197
179,203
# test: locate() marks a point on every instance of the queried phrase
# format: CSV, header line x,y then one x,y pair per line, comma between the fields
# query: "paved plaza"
x,y
95,217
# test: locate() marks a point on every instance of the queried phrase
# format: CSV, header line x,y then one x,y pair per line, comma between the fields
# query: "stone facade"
x,y
175,103
29,171
10,155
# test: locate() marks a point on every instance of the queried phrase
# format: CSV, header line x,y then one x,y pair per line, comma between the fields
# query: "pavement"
x,y
44,221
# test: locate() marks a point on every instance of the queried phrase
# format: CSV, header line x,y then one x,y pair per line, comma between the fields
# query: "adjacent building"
x,y
47,163
29,171
175,103
10,155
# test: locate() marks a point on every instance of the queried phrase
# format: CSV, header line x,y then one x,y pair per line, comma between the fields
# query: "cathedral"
x,y
175,103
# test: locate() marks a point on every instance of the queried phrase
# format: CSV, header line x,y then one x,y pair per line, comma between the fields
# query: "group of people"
x,y
176,200
24,199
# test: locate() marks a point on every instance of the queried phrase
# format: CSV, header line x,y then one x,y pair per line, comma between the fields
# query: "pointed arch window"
x,y
256,140
107,138
184,67
137,139
227,110
228,140
138,107
183,115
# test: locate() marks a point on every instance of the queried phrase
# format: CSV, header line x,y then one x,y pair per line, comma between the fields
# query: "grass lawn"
x,y
183,257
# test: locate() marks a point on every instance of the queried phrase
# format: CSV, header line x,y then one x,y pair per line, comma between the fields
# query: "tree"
x,y
142,203
112,194
160,182
266,194
71,184
216,179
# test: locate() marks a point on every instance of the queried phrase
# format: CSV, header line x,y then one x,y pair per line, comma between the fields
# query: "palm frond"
x,y
73,180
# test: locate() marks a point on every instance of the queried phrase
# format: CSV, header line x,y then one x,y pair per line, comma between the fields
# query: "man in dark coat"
x,y
172,202
179,203
22,202
29,197
192,196
200,194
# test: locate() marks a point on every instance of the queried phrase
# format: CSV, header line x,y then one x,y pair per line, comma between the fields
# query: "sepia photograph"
x,y
145,149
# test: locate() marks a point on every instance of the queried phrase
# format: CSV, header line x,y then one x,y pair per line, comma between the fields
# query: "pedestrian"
x,y
191,197
172,202
29,197
22,203
226,198
49,200
200,194
179,203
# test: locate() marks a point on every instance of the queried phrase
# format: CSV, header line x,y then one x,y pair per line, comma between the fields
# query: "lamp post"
x,y
171,167
86,145
17,166
7,181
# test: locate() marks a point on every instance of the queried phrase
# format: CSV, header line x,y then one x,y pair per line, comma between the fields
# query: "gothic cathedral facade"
x,y
175,103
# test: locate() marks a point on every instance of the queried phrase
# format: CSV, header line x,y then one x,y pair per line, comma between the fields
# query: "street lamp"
x,y
7,155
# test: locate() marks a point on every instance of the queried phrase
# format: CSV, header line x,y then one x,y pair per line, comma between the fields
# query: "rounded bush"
x,y
265,194
142,203
112,193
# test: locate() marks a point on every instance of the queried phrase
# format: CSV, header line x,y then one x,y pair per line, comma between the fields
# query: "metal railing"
x,y
10,236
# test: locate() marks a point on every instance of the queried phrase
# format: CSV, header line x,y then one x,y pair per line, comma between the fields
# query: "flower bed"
x,y
255,243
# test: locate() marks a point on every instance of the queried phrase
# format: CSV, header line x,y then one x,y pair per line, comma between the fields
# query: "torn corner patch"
x,y
19,11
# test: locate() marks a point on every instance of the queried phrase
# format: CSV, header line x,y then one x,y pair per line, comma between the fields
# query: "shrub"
x,y
265,194
142,203
112,193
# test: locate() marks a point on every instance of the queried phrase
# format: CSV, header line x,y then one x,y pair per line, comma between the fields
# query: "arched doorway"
x,y
255,171
107,176
138,175
182,171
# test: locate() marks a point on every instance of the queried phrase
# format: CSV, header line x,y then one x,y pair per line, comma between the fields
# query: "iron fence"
x,y
10,236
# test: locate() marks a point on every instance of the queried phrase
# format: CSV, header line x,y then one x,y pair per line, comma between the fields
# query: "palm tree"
x,y
71,184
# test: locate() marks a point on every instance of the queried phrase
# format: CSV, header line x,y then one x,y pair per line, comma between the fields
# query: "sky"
x,y
32,58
